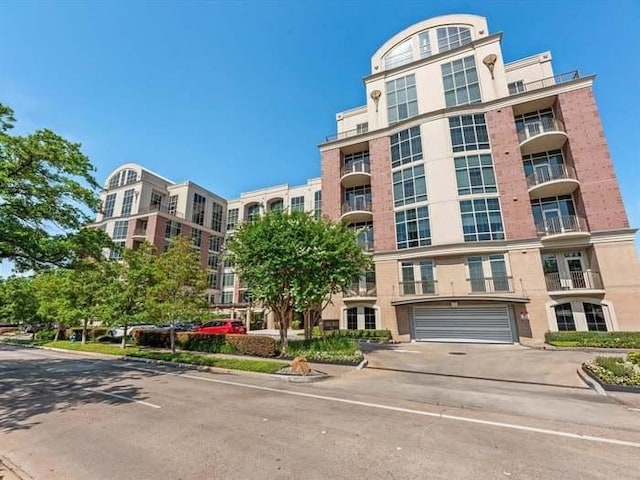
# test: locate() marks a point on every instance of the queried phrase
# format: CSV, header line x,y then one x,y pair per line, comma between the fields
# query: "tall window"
x,y
417,278
409,186
156,201
402,99
196,236
595,317
216,217
127,203
554,214
276,205
352,318
364,234
173,205
317,204
564,317
356,162
212,260
232,218
109,205
399,55
369,318
131,177
120,229
543,166
460,80
226,297
534,123
172,229
116,251
406,147
227,279
412,228
297,204
488,274
212,279
474,174
481,220
253,211
197,213
114,181
468,132
425,46
358,198
214,243
452,37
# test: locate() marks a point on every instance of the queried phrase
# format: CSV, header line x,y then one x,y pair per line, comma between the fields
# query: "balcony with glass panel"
x,y
552,180
356,170
540,134
357,205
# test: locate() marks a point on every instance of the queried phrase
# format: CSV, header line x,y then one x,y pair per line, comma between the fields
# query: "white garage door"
x,y
463,324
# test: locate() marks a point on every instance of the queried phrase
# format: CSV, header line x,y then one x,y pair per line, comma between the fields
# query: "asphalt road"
x,y
68,417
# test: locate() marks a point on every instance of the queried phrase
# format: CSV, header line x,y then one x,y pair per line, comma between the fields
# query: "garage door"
x,y
463,324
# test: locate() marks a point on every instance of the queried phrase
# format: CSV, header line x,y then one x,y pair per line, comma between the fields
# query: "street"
x,y
67,416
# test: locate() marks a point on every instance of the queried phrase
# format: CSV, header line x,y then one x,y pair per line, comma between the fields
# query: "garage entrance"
x,y
491,324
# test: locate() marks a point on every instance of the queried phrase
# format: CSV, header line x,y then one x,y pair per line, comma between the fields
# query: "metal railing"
x,y
421,287
549,81
559,225
140,232
573,281
159,209
538,127
355,167
550,173
366,244
361,289
346,134
490,284
356,206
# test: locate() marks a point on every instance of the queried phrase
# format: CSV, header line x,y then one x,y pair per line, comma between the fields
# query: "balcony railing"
x,y
551,173
361,289
356,206
421,287
538,127
160,209
357,167
346,134
549,81
366,244
140,232
573,281
490,285
560,225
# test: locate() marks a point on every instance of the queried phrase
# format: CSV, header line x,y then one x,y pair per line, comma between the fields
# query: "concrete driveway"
x,y
507,363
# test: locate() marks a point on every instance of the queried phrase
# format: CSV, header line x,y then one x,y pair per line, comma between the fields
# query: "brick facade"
x,y
512,184
587,149
331,187
382,195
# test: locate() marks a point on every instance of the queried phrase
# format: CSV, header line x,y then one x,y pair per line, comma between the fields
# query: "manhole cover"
x,y
457,353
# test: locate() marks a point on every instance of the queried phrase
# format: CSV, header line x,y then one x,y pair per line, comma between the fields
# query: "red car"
x,y
227,325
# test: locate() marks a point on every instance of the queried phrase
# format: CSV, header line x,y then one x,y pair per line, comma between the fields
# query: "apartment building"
x,y
485,191
304,198
139,205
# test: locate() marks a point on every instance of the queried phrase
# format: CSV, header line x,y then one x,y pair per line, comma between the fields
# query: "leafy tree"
x,y
178,290
292,261
127,293
18,303
46,185
50,291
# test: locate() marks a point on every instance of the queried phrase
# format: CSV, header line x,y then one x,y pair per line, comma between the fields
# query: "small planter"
x,y
610,387
288,375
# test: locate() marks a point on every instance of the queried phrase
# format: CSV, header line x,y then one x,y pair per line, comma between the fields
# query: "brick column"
x,y
331,189
384,236
512,184
587,149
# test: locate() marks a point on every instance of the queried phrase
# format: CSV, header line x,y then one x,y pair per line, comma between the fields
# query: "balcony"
x,y
541,136
422,287
548,82
366,244
359,210
346,134
490,285
354,174
159,209
574,282
360,290
552,181
140,233
569,226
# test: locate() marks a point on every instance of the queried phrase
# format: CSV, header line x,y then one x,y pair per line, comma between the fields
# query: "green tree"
x,y
46,185
18,303
178,290
127,294
50,291
291,261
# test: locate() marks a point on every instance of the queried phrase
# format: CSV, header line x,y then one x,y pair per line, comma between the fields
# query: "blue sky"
x,y
236,95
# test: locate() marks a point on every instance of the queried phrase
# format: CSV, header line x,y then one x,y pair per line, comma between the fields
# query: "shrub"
x,y
253,345
47,335
152,338
594,339
296,324
384,335
200,342
108,339
616,370
634,357
92,333
326,349
615,365
316,332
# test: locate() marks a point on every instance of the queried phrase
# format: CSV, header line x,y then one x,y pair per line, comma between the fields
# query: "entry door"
x,y
542,173
552,221
575,269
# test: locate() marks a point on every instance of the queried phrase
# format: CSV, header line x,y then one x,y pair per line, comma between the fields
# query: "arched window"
x,y
452,37
276,205
352,318
123,177
399,55
253,211
595,317
564,317
369,318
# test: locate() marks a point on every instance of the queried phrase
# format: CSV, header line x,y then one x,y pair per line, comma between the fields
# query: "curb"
x,y
593,384
363,364
10,470
607,386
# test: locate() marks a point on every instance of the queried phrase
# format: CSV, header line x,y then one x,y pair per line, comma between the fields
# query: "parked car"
x,y
221,326
118,332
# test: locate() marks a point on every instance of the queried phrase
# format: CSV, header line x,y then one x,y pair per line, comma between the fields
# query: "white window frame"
x,y
469,69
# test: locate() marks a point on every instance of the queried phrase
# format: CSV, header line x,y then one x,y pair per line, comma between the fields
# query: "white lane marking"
x,y
404,351
444,416
122,397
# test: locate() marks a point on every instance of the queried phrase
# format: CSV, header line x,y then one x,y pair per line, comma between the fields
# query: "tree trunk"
x,y
281,319
124,336
57,337
307,315
172,336
84,331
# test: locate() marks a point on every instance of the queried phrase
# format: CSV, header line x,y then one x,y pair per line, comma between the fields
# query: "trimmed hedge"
x,y
363,334
594,339
211,343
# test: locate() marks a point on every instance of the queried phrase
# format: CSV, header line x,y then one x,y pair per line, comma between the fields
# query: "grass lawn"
x,y
261,366
106,348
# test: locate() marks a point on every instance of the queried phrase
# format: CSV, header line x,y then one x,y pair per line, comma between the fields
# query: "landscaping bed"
x,y
261,366
616,373
331,349
594,339
92,347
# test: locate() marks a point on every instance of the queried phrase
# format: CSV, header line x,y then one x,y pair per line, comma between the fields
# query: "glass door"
x,y
575,269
